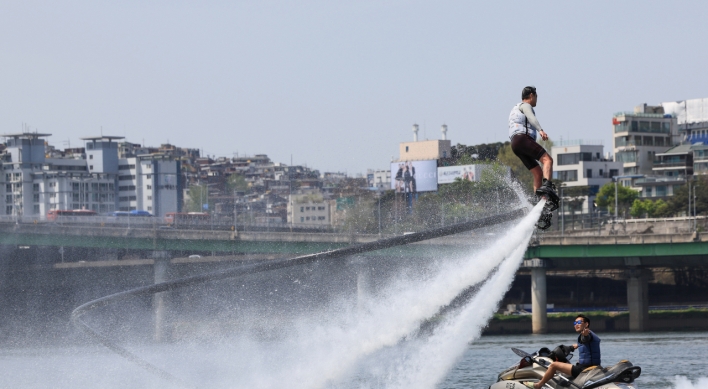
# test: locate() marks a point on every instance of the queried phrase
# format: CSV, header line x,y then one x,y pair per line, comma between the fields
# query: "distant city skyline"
x,y
338,85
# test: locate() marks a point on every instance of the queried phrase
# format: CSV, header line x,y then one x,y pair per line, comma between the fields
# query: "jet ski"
x,y
532,367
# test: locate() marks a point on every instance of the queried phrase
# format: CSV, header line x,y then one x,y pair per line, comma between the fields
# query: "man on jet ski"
x,y
588,347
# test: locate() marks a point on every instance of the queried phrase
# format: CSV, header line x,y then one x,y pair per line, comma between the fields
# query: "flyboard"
x,y
76,315
551,198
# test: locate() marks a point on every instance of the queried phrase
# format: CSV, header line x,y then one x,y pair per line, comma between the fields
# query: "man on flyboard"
x,y
523,130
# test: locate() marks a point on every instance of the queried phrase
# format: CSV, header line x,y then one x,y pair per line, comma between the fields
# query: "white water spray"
x,y
429,360
684,383
330,348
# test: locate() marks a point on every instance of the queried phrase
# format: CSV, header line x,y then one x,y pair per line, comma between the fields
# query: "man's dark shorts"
x,y
577,369
527,150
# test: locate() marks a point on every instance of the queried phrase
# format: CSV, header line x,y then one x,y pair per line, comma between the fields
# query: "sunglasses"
x,y
578,322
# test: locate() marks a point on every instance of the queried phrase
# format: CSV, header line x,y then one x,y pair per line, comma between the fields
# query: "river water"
x,y
418,329
662,356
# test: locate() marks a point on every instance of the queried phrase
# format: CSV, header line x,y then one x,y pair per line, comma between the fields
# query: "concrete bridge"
x,y
635,254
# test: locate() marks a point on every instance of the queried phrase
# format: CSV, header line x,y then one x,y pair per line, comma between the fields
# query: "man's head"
x,y
581,322
528,95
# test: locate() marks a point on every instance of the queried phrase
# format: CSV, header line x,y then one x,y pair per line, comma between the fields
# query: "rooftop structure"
x,y
692,118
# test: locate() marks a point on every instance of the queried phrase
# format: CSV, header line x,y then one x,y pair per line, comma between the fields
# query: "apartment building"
x,y
579,163
379,179
640,135
309,209
32,184
150,183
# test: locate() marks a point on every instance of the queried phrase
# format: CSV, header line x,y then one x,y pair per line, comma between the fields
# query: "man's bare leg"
x,y
537,177
565,368
547,163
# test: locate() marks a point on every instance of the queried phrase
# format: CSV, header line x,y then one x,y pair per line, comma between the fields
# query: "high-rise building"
x,y
640,135
31,184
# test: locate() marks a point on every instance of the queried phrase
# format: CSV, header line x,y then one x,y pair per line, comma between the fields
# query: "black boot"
x,y
548,191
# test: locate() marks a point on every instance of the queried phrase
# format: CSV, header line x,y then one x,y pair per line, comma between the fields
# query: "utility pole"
x,y
695,216
235,211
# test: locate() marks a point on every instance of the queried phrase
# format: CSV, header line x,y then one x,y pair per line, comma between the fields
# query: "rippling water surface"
x,y
662,356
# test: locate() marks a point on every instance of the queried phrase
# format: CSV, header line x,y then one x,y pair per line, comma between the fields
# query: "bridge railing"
x,y
587,225
159,223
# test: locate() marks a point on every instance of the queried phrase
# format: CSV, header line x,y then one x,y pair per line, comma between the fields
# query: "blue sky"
x,y
338,85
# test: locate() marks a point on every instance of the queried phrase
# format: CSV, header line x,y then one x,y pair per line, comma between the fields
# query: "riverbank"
x,y
679,320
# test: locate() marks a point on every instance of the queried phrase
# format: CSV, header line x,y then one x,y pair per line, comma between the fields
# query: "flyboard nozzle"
x,y
443,129
415,133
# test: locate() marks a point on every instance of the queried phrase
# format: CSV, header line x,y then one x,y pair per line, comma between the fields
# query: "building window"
x,y
566,175
91,167
302,209
406,149
588,173
149,197
149,209
91,156
302,219
149,187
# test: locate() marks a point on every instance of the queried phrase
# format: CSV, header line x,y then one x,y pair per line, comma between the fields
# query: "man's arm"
x,y
528,111
585,336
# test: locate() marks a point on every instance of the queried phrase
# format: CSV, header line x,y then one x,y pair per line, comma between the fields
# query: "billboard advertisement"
x,y
448,174
414,176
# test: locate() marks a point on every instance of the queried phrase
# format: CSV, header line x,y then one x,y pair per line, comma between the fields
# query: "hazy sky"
x,y
338,84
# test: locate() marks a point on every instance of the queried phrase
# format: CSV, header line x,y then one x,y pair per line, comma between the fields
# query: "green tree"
x,y
482,152
625,198
640,208
236,182
661,209
507,157
196,196
678,204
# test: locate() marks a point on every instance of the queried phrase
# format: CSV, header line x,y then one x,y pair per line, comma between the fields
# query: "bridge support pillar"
x,y
638,299
159,300
539,315
363,282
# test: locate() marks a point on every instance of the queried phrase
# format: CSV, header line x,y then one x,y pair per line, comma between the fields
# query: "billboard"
x,y
414,176
448,174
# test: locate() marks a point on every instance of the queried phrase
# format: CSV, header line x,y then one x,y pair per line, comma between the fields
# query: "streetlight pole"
x,y
616,200
562,212
695,219
235,210
378,192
